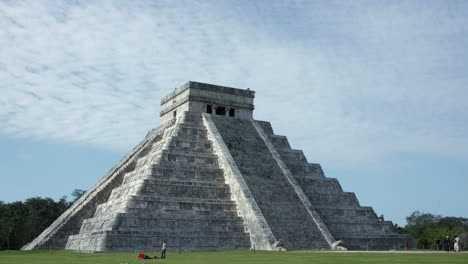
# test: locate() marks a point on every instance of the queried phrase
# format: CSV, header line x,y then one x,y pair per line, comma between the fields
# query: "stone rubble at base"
x,y
210,177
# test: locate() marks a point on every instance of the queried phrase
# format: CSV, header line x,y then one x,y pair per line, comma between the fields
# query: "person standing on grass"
x,y
163,249
447,243
456,245
437,241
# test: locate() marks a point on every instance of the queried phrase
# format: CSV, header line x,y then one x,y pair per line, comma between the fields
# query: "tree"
x,y
77,193
426,227
400,230
21,222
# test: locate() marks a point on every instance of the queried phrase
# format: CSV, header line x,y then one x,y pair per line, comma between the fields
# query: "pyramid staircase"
x,y
280,203
341,212
177,192
69,223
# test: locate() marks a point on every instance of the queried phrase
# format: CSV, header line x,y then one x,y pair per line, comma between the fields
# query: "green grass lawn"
x,y
244,257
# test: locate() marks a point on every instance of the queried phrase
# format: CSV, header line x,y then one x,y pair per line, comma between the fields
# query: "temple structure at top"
x,y
210,177
199,97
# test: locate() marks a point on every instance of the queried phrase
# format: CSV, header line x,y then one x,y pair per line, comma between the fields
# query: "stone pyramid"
x,y
210,177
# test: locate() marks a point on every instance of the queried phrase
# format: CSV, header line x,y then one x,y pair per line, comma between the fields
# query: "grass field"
x,y
244,257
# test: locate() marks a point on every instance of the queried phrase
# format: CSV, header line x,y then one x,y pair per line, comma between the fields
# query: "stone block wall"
x,y
69,223
358,226
278,201
176,193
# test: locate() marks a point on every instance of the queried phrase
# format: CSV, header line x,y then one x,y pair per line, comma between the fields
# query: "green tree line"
x,y
426,228
21,222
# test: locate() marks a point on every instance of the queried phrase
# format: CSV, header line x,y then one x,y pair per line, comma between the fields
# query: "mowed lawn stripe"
x,y
244,257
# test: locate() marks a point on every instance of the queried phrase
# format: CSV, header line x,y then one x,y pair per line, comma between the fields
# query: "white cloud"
x,y
348,83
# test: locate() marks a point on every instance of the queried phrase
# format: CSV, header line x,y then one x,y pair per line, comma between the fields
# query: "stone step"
x,y
127,219
320,186
181,171
221,235
292,156
176,152
187,183
385,236
136,175
167,204
190,213
350,219
346,229
130,188
193,188
214,175
179,199
151,145
338,200
183,228
330,211
160,220
148,157
237,234
189,151
147,215
170,157
191,132
184,205
306,170
194,145
150,243
140,200
280,142
160,226
266,126
191,128
197,168
185,191
172,232
192,137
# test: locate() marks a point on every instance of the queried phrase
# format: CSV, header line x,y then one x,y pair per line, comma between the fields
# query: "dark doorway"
x,y
232,112
220,110
209,109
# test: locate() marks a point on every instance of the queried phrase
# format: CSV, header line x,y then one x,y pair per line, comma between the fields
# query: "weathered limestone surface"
x,y
195,97
280,204
297,188
177,192
69,223
358,226
261,236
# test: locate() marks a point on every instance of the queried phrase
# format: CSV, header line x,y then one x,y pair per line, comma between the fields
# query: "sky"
x,y
375,91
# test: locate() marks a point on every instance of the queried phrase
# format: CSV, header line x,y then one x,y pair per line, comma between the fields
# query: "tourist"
x,y
437,241
163,249
447,243
456,245
143,256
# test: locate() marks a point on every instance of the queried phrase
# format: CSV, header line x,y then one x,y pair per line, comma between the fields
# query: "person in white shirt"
x,y
163,249
456,246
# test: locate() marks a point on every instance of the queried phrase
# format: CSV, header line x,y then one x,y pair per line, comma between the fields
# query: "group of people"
x,y
447,244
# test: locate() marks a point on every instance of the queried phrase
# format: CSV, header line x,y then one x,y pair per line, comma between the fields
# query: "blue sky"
x,y
375,91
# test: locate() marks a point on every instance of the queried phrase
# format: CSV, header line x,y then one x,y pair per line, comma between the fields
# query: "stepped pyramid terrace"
x,y
210,177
